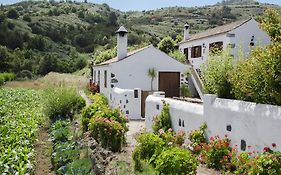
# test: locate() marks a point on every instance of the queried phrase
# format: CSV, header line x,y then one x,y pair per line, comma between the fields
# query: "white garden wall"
x,y
126,101
259,125
245,123
185,116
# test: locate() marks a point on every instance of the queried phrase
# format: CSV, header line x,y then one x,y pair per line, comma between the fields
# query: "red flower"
x,y
273,145
266,149
225,135
212,138
249,147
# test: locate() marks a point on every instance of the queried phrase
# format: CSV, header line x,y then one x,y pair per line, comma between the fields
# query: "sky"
x,y
127,5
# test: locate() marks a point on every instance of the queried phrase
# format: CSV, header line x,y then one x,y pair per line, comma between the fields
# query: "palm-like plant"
x,y
152,74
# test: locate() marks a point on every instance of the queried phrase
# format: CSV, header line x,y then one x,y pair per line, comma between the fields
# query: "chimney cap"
x,y
121,30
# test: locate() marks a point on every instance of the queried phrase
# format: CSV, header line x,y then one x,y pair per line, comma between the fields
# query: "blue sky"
x,y
126,5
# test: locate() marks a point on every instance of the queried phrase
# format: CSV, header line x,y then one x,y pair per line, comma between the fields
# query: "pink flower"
x,y
170,130
273,145
161,131
212,138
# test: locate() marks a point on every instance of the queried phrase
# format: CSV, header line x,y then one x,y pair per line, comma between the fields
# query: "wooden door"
x,y
169,82
144,95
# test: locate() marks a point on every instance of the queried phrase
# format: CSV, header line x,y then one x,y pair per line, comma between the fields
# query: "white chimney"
x,y
122,42
186,32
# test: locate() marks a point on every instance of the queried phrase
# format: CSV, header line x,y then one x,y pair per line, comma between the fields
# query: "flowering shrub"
x,y
163,121
171,138
176,160
269,162
108,132
197,138
266,163
108,126
217,154
149,145
99,103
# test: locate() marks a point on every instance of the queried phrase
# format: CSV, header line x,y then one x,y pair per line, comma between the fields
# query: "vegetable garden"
x,y
20,116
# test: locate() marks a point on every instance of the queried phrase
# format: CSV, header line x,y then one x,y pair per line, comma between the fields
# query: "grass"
x,y
52,79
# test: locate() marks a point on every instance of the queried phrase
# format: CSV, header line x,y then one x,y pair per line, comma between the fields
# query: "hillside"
x,y
39,37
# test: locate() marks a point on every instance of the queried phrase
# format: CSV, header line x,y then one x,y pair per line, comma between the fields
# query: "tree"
x,y
27,18
216,74
152,74
13,14
178,56
271,23
167,45
2,18
47,64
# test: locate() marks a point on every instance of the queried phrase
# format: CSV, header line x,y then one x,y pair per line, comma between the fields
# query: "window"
x,y
98,77
95,76
185,51
105,79
136,93
216,47
196,51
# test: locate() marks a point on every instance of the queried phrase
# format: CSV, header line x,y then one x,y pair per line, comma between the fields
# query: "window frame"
x,y
196,51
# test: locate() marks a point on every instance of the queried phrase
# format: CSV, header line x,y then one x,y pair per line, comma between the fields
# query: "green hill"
x,y
39,37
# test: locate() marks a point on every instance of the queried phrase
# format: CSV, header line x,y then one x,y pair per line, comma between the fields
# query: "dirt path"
x,y
123,161
43,149
86,98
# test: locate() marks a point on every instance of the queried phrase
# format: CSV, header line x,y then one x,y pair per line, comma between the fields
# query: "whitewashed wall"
x,y
197,62
259,125
189,115
243,36
126,101
132,72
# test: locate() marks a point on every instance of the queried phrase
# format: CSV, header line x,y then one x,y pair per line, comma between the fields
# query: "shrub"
x,y
62,102
257,78
184,91
178,56
108,132
163,121
267,163
27,18
197,137
217,153
167,45
4,77
99,104
216,74
13,14
149,145
100,108
171,138
176,160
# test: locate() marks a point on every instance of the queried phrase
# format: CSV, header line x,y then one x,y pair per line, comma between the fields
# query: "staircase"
x,y
196,79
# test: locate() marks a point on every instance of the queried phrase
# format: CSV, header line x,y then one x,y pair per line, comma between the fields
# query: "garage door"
x,y
169,82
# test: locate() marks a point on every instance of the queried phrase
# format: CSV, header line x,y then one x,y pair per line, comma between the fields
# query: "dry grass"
x,y
52,79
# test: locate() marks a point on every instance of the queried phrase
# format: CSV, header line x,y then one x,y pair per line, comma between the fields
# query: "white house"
x,y
125,81
242,34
